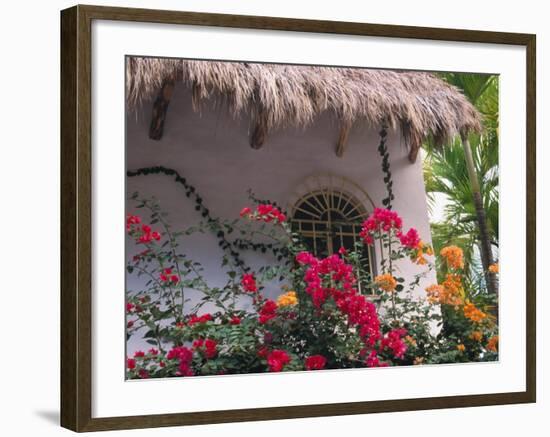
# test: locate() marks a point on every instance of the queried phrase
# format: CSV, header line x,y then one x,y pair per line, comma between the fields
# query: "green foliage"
x,y
244,330
446,175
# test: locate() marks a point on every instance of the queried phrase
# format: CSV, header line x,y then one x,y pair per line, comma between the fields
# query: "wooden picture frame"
x,y
76,217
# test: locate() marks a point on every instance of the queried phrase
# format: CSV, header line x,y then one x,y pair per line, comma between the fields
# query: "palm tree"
x,y
466,173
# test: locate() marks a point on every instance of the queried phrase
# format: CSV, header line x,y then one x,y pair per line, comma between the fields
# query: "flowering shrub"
x,y
325,317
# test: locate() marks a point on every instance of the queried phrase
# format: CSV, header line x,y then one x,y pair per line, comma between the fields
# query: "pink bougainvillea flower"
x,y
184,356
381,220
305,258
145,238
235,320
199,319
132,220
393,340
181,353
264,212
410,240
146,234
268,311
184,369
245,212
277,360
333,277
315,362
374,361
249,283
208,347
264,209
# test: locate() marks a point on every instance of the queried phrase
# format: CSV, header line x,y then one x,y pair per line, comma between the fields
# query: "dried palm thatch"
x,y
276,96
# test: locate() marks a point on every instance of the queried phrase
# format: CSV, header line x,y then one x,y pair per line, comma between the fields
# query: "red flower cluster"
x,y
362,313
380,220
333,268
199,319
167,276
410,240
249,283
132,220
148,235
144,234
393,341
208,347
235,320
264,212
306,258
333,277
315,362
131,363
277,360
268,311
374,361
184,356
385,220
139,354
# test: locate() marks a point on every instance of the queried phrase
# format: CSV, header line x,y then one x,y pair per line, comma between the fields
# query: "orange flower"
x,y
448,293
421,250
287,299
410,340
454,257
460,347
418,360
452,283
386,282
472,313
435,293
476,335
493,268
492,344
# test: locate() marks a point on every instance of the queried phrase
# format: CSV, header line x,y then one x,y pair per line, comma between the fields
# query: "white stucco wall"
x,y
211,150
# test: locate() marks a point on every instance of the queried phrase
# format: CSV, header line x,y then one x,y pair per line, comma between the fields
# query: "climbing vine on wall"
x,y
231,247
388,182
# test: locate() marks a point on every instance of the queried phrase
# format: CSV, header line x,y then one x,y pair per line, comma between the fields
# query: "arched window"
x,y
328,219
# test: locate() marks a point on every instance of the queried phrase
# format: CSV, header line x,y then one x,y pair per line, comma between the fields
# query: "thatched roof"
x,y
276,96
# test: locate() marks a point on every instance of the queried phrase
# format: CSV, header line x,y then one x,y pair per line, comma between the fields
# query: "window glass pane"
x,y
330,220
